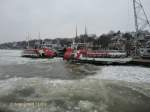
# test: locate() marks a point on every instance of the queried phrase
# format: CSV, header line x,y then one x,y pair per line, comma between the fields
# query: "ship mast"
x,y
85,34
28,39
85,30
76,31
76,37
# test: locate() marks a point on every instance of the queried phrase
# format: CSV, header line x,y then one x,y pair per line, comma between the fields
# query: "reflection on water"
x,y
51,85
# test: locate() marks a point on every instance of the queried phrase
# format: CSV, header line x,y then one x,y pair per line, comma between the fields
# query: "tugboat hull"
x,y
103,61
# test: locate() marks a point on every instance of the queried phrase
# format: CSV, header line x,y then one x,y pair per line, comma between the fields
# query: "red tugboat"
x,y
85,55
42,52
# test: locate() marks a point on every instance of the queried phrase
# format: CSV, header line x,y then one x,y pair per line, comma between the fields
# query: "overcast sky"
x,y
58,18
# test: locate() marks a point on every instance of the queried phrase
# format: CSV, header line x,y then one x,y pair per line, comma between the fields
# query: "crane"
x,y
141,19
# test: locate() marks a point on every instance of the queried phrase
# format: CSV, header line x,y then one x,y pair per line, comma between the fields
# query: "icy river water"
x,y
52,85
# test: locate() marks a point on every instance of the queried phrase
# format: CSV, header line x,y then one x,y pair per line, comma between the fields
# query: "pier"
x,y
140,61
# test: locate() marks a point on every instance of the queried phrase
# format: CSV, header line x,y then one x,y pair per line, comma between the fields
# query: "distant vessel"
x,y
38,53
81,54
41,50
